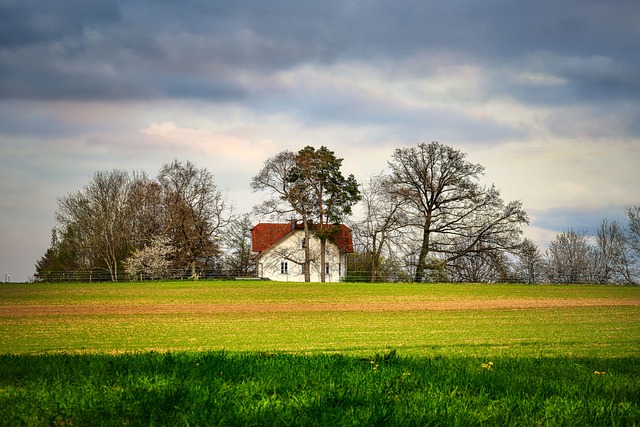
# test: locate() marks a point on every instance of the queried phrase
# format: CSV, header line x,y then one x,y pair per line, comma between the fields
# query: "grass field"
x,y
351,319
237,353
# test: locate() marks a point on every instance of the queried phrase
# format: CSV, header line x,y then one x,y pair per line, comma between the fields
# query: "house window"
x,y
327,270
339,269
284,268
303,242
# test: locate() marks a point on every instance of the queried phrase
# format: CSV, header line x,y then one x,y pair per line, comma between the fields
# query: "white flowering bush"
x,y
152,260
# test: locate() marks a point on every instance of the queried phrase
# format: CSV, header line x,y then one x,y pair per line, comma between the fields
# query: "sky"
x,y
545,95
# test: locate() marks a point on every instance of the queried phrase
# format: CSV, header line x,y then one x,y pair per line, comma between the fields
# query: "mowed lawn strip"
x,y
417,319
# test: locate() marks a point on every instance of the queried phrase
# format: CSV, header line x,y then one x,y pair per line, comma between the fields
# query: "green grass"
x,y
262,389
601,331
305,354
239,292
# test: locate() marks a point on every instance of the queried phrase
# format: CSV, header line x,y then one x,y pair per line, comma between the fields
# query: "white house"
x,y
279,252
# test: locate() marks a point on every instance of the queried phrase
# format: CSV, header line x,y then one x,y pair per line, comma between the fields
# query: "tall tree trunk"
x,y
422,258
376,255
323,241
193,270
323,271
374,267
307,253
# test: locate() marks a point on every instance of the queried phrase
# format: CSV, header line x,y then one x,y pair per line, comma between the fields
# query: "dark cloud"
x,y
74,49
583,219
24,22
549,78
124,64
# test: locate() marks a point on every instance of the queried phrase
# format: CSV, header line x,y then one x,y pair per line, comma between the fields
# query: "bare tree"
x,y
378,231
443,199
286,197
530,265
148,210
633,244
481,266
237,245
570,258
196,213
633,232
98,219
612,254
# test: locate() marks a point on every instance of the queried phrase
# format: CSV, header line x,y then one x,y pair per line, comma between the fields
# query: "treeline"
x,y
610,256
123,226
427,217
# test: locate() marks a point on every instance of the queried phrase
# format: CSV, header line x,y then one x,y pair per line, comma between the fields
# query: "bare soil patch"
x,y
142,309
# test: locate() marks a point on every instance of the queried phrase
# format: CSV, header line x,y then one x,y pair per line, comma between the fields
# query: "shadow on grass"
x,y
219,388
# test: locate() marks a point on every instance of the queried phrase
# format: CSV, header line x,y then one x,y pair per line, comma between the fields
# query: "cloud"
x,y
230,149
583,219
120,65
27,22
142,50
548,77
544,95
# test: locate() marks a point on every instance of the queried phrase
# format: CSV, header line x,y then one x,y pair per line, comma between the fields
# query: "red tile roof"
x,y
265,235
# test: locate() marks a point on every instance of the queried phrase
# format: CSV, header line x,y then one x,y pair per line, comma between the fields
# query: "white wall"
x,y
290,250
